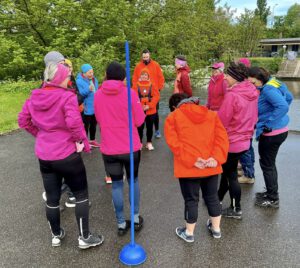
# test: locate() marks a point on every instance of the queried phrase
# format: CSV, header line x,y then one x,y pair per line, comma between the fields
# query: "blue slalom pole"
x,y
132,253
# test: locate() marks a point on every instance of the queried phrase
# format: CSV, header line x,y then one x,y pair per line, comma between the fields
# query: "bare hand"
x,y
146,107
211,162
200,163
79,147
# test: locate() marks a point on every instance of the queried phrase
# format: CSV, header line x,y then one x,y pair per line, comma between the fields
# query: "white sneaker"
x,y
56,239
91,241
44,196
149,146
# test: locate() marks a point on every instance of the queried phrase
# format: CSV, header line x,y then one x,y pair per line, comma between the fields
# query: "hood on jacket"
x,y
246,90
194,112
45,99
112,87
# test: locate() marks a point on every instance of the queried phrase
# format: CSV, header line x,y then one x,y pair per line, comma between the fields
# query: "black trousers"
x,y
90,124
114,165
156,119
72,169
268,147
190,188
150,119
229,180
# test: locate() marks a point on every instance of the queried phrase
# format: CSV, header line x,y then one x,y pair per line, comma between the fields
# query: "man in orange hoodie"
x,y
200,145
149,97
156,78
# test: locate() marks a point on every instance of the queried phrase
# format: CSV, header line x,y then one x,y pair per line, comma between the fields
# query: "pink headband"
x,y
180,62
61,74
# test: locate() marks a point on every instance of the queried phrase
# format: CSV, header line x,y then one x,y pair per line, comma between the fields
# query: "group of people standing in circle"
x,y
206,140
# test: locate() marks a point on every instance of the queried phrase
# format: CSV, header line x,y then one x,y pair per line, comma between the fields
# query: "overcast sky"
x,y
280,7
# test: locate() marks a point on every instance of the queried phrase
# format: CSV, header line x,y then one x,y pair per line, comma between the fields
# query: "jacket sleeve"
x,y
137,110
186,84
221,143
226,110
24,120
74,122
225,86
160,77
178,149
278,102
135,77
83,88
155,98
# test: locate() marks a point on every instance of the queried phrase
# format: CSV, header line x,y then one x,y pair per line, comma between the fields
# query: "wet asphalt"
x,y
263,238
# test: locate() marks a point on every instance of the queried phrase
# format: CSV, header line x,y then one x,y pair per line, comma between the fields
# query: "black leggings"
x,y
229,180
72,169
190,191
114,165
90,124
149,125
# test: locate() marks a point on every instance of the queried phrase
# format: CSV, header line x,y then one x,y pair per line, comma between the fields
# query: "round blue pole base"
x,y
132,254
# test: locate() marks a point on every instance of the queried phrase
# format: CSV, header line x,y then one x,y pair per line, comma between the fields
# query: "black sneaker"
x,y
235,213
71,202
138,226
91,241
123,231
267,202
260,195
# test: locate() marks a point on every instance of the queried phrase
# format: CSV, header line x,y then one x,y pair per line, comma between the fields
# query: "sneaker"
x,y
235,213
94,144
91,241
214,233
149,146
260,195
180,231
108,180
246,180
267,202
44,196
157,134
56,239
240,172
71,203
123,231
138,226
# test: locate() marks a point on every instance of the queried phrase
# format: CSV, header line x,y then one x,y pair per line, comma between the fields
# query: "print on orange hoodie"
x,y
192,131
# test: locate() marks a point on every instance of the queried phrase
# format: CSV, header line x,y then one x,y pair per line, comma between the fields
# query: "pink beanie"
x,y
245,61
61,74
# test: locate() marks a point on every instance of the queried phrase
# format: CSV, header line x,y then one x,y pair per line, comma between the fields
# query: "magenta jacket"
x,y
52,116
217,89
111,111
238,113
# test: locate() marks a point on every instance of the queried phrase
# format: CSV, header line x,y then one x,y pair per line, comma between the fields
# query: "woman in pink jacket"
x,y
52,116
217,87
111,110
238,114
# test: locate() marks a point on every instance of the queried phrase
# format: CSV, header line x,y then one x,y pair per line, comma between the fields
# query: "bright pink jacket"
x,y
52,116
217,89
238,113
111,111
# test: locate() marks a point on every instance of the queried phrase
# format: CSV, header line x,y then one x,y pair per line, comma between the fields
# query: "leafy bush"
x,y
271,64
11,86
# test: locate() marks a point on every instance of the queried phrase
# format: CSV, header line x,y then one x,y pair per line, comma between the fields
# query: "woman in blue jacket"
x,y
87,85
271,130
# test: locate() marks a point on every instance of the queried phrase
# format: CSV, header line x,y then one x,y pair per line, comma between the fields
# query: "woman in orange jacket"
x,y
200,144
149,97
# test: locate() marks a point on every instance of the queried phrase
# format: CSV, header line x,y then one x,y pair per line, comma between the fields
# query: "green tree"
x,y
262,10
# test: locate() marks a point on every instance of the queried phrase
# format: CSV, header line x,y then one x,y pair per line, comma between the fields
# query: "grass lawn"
x,y
10,105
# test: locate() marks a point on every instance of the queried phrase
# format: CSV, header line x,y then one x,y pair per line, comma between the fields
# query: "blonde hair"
x,y
50,72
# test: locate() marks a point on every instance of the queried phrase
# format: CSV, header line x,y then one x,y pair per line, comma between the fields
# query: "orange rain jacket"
x,y
192,131
148,95
155,72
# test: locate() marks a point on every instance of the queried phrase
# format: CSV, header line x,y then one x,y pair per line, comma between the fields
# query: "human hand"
x,y
200,163
211,162
146,107
91,88
79,146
